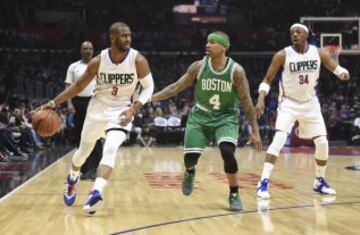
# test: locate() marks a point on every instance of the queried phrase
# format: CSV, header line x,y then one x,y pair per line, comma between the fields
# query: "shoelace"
x,y
70,189
264,185
92,194
323,182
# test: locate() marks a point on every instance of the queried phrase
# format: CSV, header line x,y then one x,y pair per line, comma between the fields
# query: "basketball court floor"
x,y
143,196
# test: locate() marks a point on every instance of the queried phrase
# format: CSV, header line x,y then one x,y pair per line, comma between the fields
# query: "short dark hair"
x,y
85,42
115,26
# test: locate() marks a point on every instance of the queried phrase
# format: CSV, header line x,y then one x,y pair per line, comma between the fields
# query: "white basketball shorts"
x,y
308,114
101,118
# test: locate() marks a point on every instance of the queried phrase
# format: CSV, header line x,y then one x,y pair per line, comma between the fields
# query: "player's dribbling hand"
x,y
256,140
259,108
126,117
48,105
344,77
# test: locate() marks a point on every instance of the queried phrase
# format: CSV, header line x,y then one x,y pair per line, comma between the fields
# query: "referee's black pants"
x,y
80,105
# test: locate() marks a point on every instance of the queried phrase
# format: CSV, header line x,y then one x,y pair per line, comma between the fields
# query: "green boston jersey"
x,y
215,91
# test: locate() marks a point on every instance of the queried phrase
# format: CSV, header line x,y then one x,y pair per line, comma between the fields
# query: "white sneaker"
x,y
321,186
262,190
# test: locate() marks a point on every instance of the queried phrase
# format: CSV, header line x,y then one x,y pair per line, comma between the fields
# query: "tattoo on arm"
x,y
243,90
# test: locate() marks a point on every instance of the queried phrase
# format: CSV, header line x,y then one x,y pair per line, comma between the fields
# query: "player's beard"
x,y
122,46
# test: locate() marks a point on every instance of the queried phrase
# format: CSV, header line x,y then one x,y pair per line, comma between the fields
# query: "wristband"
x,y
340,70
53,104
264,87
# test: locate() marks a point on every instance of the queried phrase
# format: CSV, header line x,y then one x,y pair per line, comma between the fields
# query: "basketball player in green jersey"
x,y
220,83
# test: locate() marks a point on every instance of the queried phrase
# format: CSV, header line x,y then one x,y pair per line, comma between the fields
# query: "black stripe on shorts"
x,y
117,129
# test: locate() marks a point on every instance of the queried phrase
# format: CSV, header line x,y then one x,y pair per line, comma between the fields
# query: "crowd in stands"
x,y
252,28
18,138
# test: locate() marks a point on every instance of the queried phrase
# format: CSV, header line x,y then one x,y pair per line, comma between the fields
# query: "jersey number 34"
x,y
303,79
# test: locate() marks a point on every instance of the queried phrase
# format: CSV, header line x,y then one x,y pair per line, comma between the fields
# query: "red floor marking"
x,y
162,180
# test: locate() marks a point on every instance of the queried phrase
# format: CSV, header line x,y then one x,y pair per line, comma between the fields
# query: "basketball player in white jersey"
x,y
78,106
117,69
298,101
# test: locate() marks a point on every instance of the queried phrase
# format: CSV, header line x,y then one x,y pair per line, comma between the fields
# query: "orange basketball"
x,y
46,122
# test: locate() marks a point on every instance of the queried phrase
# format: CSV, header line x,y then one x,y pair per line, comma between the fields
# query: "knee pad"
x,y
191,159
277,143
321,148
227,150
113,141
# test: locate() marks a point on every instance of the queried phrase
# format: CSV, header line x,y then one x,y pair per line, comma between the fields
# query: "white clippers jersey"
x,y
300,75
116,83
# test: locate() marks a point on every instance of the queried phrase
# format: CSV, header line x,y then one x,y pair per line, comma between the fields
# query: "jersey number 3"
x,y
215,101
114,90
303,79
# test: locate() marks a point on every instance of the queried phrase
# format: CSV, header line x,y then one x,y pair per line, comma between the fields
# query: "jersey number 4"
x,y
215,101
303,79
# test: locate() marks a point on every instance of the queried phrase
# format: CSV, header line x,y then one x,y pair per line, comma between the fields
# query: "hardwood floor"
x,y
143,196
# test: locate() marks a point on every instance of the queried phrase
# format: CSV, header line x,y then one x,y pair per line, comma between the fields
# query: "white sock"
x,y
74,174
320,170
268,167
100,183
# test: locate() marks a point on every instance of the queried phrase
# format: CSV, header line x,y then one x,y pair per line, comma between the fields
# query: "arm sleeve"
x,y
148,88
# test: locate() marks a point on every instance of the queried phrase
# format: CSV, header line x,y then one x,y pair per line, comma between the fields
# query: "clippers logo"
x,y
116,78
303,66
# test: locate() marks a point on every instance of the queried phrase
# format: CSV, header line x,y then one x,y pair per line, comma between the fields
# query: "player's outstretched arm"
x,y
333,66
277,61
78,86
186,80
243,90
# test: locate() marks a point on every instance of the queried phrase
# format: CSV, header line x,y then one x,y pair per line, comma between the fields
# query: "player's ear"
x,y
112,38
